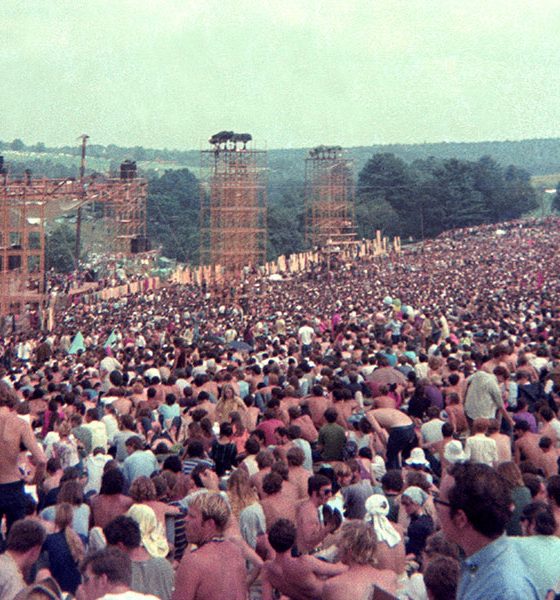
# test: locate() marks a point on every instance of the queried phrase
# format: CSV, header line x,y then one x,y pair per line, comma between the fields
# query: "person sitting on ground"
x,y
149,573
298,577
23,547
110,502
108,574
357,545
216,569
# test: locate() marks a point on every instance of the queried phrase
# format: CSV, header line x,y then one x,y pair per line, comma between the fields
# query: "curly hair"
x,y
142,489
358,542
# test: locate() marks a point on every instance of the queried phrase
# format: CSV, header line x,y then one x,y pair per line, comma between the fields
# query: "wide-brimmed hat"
x,y
417,458
454,452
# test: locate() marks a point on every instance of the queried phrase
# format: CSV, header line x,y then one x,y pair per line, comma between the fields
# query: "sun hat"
x,y
417,458
454,452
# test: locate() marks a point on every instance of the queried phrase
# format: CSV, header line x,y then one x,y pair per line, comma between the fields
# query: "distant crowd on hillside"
x,y
386,427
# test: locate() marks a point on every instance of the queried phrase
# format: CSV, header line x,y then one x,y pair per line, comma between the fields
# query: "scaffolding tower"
x,y
329,197
233,203
124,209
25,206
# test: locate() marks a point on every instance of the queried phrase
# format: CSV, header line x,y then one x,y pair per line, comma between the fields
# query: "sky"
x,y
293,73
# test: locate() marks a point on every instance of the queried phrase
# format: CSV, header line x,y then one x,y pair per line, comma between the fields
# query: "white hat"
x,y
454,452
417,457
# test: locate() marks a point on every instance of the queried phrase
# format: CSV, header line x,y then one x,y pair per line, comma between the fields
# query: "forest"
x,y
406,191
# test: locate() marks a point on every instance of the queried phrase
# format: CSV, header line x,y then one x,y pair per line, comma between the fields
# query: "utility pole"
x,y
84,137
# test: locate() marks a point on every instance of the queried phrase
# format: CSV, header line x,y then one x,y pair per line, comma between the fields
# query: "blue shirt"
x,y
140,462
541,555
496,573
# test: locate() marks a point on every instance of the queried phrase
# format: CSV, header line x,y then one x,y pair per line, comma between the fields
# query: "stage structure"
x,y
233,228
26,204
329,198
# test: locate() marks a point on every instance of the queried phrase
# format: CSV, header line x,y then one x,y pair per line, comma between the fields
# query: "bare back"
x,y
215,570
15,433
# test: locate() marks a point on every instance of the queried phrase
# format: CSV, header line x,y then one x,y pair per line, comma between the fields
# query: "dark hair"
x,y
24,535
226,429
265,458
282,535
113,563
124,530
316,482
252,446
392,480
542,517
331,415
195,474
447,430
441,577
172,463
553,489
295,457
195,449
272,483
532,482
112,482
521,425
483,495
135,441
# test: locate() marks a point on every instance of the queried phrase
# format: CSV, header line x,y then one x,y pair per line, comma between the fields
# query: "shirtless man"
x,y
503,441
310,530
265,460
298,578
526,444
308,430
357,547
216,569
15,435
317,404
549,457
297,474
400,427
275,503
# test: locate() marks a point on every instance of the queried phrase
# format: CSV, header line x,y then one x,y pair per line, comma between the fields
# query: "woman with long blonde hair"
x,y
229,403
245,507
65,550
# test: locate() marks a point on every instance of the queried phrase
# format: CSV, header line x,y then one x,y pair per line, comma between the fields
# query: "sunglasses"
x,y
442,502
326,492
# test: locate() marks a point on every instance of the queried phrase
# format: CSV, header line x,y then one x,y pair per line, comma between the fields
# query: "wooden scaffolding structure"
x,y
25,206
329,197
233,229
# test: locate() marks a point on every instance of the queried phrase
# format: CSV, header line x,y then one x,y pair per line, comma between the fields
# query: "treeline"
x,y
426,197
538,156
415,200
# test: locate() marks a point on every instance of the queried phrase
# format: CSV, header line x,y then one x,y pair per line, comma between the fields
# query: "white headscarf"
x,y
377,509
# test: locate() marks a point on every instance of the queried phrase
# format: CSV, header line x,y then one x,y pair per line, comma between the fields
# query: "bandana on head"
x,y
377,509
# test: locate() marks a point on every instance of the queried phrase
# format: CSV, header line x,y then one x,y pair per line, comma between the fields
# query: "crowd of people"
x,y
381,428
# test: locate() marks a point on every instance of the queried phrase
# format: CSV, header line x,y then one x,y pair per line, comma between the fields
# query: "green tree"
x,y
60,245
173,214
17,145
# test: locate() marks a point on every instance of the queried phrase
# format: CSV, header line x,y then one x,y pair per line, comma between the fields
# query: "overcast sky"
x,y
294,73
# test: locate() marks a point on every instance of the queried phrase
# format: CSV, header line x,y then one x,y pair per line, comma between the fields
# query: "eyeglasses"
x,y
442,502
327,492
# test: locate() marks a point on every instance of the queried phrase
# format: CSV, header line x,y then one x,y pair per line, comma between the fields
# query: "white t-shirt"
x,y
306,334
